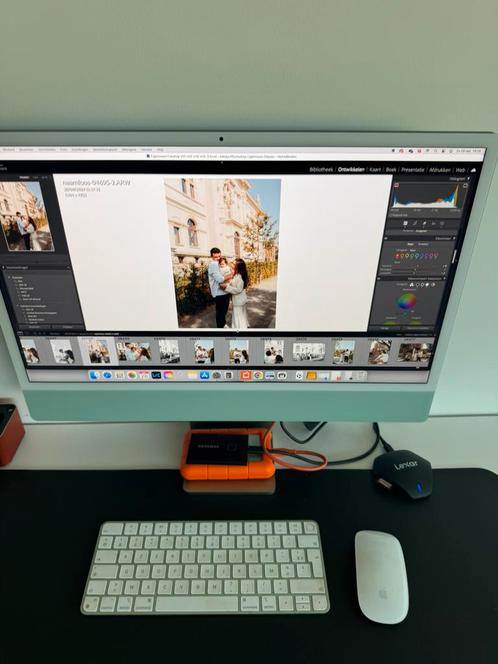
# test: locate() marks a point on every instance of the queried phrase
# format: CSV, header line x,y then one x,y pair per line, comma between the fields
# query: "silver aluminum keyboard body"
x,y
207,567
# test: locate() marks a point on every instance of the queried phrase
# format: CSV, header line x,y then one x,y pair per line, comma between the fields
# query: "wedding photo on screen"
x,y
24,218
224,236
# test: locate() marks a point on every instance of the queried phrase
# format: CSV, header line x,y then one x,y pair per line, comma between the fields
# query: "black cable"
x,y
384,442
378,439
302,441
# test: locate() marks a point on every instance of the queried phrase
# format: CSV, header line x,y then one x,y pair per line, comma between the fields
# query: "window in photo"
x,y
379,351
274,351
169,351
239,352
62,351
23,217
30,351
343,352
204,351
134,351
308,352
98,351
415,352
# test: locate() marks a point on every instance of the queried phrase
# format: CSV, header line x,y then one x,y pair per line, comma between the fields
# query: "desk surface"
x,y
49,522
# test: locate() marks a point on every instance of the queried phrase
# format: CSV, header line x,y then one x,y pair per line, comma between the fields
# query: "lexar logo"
x,y
407,464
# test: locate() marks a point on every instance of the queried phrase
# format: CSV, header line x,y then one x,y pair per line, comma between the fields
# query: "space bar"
x,y
197,604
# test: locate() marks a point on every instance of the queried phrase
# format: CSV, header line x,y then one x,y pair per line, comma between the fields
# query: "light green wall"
x,y
272,64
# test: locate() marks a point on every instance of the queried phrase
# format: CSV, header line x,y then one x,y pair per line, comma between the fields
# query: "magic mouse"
x,y
381,577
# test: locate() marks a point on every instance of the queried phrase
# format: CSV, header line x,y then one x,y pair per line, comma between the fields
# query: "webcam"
x,y
221,139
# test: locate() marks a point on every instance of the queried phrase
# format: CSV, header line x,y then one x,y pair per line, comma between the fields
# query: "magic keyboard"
x,y
207,567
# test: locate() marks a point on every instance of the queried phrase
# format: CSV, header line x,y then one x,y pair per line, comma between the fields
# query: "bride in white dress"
x,y
237,288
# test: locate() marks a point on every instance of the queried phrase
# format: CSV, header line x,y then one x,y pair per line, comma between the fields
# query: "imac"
x,y
236,277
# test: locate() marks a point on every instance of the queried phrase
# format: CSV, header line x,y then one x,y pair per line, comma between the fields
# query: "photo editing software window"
x,y
244,264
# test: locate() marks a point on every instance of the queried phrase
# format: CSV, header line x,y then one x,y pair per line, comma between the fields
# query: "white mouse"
x,y
381,577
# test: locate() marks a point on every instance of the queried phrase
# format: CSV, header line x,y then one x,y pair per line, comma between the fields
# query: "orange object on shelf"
x,y
254,470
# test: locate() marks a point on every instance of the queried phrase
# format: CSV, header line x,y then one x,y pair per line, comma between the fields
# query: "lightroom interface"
x,y
296,264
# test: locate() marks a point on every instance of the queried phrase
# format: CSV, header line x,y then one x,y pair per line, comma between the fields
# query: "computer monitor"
x,y
242,276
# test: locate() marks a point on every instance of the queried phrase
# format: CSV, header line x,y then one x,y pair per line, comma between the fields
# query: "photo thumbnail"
x,y
344,351
204,351
24,218
274,351
308,352
30,351
224,238
169,351
239,351
379,351
134,351
414,352
97,351
62,351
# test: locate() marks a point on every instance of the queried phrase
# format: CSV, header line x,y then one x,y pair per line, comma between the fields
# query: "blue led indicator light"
x,y
419,488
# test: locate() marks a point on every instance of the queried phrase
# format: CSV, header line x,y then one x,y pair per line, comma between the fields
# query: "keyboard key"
x,y
199,604
250,528
286,603
104,572
198,587
146,529
141,557
167,542
176,528
158,571
106,556
308,542
280,587
248,587
269,603
144,604
303,570
231,587
255,571
235,528
265,528
175,571
107,604
172,557
136,542
188,556
251,556
310,528
220,556
91,604
191,571
315,558
267,556
295,528
320,602
121,542
115,587
151,542
264,587
125,604
235,557
165,587
157,557
280,528
125,557
204,556
132,587
161,529
112,529
282,556
222,571
148,588
307,586
221,528
207,572
249,603
96,588
142,571
206,528
181,587
215,587
191,528
105,542
127,571
298,556
131,529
